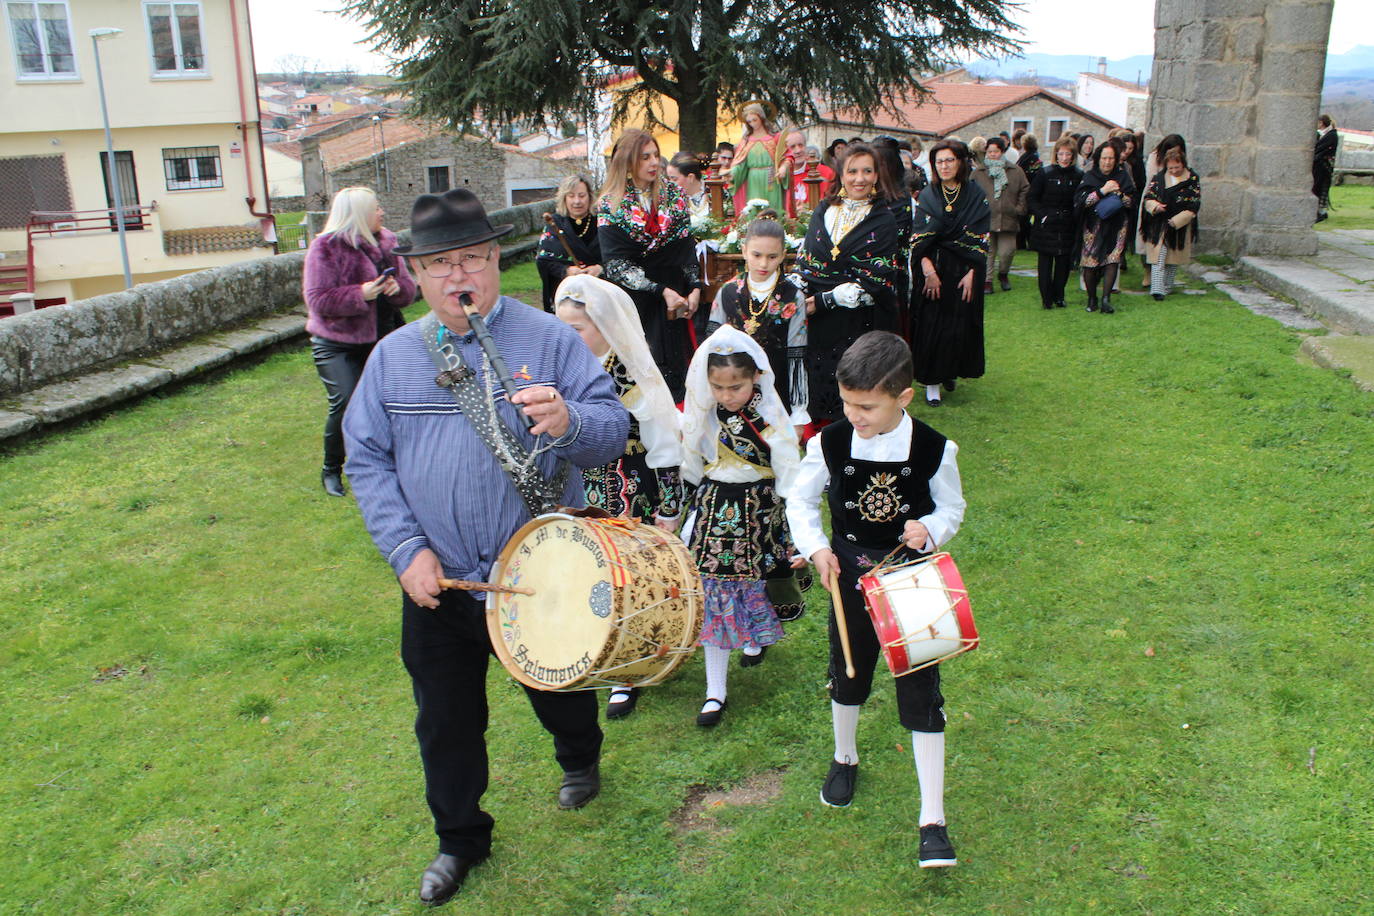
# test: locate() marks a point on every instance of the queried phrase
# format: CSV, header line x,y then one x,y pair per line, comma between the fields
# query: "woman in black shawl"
x,y
848,268
647,249
575,220
1103,206
1169,220
894,177
950,243
1324,163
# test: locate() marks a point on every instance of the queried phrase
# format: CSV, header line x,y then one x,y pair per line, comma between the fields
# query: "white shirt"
x,y
804,497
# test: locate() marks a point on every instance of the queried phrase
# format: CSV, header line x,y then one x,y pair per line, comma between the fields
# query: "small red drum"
x,y
920,611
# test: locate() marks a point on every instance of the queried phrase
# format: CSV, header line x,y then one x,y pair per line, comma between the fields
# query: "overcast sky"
x,y
313,30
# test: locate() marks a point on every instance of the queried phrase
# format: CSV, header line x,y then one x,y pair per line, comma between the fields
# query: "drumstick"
x,y
558,234
468,586
838,604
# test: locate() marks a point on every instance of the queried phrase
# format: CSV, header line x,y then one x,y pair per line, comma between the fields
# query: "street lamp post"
x,y
384,165
111,176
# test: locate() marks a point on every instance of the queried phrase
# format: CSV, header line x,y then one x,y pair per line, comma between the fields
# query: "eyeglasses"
x,y
443,266
946,162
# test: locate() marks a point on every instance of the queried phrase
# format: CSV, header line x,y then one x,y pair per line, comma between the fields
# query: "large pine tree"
x,y
507,61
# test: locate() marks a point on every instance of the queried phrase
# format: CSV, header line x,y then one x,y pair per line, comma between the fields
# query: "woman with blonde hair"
x,y
576,223
354,290
757,157
647,249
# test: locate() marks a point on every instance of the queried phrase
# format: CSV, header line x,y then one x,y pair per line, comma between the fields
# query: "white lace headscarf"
x,y
613,312
701,427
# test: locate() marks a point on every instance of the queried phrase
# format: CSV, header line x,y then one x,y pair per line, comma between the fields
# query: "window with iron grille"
x,y
42,36
30,183
174,30
191,168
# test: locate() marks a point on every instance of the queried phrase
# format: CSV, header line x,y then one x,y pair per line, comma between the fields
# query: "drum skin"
x,y
616,603
921,613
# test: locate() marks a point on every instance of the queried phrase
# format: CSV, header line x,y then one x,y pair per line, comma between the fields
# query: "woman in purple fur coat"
x,y
355,289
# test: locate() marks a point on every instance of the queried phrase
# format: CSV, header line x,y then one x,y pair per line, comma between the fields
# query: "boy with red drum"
x,y
892,480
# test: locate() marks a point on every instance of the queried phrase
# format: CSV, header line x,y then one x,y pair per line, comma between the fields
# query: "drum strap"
x,y
475,400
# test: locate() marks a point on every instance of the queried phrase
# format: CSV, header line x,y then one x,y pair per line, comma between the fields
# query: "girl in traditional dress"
x,y
950,244
1169,221
645,482
575,220
757,156
848,265
740,453
647,249
1103,205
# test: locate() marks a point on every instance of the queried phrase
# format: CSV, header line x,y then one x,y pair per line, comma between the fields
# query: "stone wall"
x,y
288,204
1241,81
480,167
66,340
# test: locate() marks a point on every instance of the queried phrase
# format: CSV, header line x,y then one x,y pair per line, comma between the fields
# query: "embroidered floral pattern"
x,y
651,227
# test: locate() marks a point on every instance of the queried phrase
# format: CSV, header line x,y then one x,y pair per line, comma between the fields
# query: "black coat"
x,y
1051,203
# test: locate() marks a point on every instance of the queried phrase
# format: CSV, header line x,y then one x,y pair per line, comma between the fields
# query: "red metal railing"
x,y
19,277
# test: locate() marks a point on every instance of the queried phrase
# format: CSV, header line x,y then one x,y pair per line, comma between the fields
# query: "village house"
x,y
1116,100
183,114
958,105
401,159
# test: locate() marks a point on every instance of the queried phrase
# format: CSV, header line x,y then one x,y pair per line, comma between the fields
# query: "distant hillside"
x,y
1350,100
1356,63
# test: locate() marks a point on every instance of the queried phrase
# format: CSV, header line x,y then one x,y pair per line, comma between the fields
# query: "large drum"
x,y
920,611
615,603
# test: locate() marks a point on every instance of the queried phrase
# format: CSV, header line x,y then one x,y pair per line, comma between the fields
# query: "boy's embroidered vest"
x,y
871,501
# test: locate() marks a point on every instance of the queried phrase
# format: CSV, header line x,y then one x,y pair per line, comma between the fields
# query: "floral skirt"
x,y
627,487
738,614
739,530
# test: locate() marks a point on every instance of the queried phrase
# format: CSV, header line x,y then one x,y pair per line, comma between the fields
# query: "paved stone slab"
x,y
283,328
65,400
1337,299
1261,303
184,362
14,423
243,341
1355,354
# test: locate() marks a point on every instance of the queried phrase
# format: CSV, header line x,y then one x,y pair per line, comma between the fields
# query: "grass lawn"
x,y
1168,550
1352,207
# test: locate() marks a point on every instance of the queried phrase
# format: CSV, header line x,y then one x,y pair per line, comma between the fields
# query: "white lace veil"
x,y
613,312
701,428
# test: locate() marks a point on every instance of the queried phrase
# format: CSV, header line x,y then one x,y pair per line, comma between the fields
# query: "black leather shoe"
x,y
709,718
951,384
1106,306
332,478
620,708
579,787
748,661
1158,297
932,402
1092,304
1060,303
444,877
1005,283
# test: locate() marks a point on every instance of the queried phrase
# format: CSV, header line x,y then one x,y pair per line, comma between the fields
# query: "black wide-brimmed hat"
x,y
443,222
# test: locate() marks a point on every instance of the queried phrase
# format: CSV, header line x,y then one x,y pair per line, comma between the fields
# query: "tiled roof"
x,y
367,140
950,106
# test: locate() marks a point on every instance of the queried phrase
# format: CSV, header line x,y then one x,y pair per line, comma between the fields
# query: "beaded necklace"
x,y
852,213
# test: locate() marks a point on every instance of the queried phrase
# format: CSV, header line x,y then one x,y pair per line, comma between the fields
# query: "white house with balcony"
x,y
181,94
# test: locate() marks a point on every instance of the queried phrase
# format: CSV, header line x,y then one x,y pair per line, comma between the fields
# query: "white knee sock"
x,y
717,665
845,721
929,750
932,392
752,650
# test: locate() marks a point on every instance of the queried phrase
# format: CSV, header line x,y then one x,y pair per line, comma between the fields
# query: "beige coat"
x,y
1176,256
1011,206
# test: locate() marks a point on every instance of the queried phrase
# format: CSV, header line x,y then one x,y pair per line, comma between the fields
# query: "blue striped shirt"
x,y
419,472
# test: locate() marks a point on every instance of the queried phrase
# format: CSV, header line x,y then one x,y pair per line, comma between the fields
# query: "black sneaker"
x,y
936,849
838,790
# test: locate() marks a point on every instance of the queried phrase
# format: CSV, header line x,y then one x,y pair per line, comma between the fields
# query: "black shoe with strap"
x,y
748,661
621,702
936,849
709,717
1106,306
